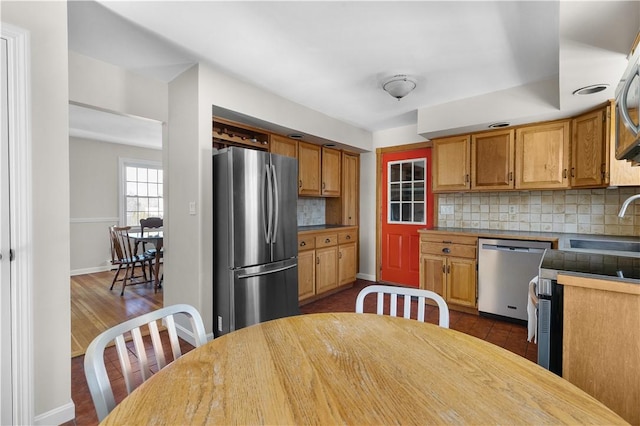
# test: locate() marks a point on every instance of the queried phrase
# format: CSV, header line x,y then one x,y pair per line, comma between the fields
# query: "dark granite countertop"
x,y
590,265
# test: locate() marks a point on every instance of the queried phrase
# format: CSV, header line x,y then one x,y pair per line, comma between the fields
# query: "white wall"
x,y
381,139
47,23
188,168
94,198
96,83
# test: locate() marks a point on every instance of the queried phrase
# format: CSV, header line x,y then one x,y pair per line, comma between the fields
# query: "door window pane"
x,y
406,191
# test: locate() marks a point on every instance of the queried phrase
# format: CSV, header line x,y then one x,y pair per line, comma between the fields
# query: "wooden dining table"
x,y
157,239
347,368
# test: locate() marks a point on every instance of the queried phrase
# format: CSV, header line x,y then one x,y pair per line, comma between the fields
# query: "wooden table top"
x,y
347,368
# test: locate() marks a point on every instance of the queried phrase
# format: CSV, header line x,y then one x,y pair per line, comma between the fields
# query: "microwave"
x,y
627,107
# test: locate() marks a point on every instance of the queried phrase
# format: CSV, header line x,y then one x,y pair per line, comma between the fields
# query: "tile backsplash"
x,y
311,211
583,211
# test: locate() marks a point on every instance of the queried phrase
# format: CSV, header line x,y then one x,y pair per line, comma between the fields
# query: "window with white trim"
x,y
142,189
407,192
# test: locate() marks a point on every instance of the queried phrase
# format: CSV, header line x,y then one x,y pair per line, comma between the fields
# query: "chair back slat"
x,y
94,363
407,294
173,336
156,341
125,364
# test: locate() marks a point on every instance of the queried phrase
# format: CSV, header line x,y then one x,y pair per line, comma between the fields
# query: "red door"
x,y
407,205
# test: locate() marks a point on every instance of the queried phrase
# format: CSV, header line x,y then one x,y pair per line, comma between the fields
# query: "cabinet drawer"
x,y
306,243
444,249
449,239
326,240
348,237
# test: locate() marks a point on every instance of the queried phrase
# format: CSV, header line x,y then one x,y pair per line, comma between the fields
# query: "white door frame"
x,y
20,202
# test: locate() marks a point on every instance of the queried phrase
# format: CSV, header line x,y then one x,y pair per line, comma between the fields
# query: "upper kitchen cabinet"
x,y
588,150
284,146
228,133
451,163
542,156
344,210
492,160
309,159
330,172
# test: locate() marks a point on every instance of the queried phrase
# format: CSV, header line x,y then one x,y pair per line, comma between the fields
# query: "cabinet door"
x,y
350,189
306,274
492,160
542,156
308,169
346,263
284,146
461,281
451,163
619,172
330,172
326,269
587,168
433,273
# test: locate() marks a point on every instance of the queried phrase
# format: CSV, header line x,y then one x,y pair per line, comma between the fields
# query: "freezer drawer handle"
x,y
271,271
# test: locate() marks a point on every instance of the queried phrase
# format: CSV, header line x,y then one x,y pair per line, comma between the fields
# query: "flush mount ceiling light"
x,y
399,86
590,90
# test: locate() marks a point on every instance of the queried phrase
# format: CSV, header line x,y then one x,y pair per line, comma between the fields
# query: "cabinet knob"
x,y
302,244
348,236
446,250
327,241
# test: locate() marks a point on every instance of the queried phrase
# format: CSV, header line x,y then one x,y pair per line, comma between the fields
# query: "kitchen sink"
x,y
606,245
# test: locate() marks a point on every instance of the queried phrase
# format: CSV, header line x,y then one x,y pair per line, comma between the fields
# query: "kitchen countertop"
x,y
590,265
322,227
561,241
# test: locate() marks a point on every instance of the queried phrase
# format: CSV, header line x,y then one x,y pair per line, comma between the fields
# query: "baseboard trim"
x,y
366,277
57,416
187,334
91,270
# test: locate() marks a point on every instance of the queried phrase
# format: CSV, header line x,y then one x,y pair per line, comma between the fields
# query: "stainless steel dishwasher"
x,y
505,268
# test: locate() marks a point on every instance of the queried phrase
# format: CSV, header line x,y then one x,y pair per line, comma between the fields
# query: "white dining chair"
x,y
94,364
407,294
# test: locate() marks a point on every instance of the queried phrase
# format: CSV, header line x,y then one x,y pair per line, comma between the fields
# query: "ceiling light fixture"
x,y
590,90
399,86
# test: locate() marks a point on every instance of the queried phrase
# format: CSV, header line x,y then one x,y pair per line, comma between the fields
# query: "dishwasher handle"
x,y
512,249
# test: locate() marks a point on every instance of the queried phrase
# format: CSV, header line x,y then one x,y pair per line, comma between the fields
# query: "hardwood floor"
x,y
95,308
512,337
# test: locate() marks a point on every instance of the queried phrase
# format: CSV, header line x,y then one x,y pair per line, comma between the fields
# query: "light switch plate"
x,y
192,207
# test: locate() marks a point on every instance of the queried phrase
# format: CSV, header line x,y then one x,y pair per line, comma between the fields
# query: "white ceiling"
x,y
333,56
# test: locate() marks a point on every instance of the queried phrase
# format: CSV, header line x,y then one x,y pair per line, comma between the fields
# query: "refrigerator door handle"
x,y
276,204
267,272
269,227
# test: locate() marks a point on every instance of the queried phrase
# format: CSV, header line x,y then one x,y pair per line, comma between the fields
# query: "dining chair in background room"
x,y
406,293
150,223
94,362
122,254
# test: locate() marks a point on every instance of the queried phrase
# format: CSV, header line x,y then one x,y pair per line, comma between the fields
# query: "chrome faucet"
x,y
626,204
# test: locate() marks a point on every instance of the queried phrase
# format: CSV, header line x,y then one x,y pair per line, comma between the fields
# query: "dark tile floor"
x,y
512,337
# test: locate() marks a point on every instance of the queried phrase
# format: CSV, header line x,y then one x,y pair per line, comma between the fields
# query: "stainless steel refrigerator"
x,y
255,240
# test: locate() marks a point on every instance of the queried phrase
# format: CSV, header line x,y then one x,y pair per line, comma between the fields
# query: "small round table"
x,y
347,368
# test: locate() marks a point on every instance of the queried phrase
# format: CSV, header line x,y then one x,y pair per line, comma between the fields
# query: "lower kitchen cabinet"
x,y
306,274
326,269
448,268
327,261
